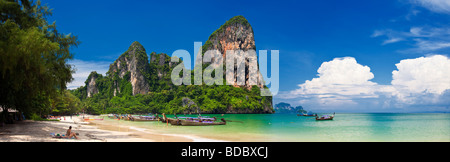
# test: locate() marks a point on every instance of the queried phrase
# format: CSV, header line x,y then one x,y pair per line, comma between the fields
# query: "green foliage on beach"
x,y
36,117
65,103
33,57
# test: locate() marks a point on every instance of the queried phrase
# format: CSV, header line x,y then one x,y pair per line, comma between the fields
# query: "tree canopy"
x,y
33,57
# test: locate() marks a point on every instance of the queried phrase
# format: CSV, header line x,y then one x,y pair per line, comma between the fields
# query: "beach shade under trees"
x,y
33,57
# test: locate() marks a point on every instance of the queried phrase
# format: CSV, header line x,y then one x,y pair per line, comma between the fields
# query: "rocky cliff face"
x,y
237,34
135,62
91,85
162,63
132,73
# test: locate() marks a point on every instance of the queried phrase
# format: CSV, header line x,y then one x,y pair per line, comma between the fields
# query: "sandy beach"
x,y
40,131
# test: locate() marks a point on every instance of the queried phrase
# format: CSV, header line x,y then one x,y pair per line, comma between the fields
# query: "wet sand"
x,y
151,134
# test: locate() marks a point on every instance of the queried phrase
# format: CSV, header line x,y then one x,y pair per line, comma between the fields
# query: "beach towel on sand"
x,y
57,135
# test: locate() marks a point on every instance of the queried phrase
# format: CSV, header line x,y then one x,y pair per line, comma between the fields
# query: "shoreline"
x,y
40,131
149,134
369,128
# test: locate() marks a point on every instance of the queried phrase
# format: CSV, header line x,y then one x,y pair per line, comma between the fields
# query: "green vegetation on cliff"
x,y
116,92
285,108
210,99
164,97
237,20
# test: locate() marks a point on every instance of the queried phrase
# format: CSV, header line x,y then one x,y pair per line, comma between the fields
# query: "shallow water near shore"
x,y
291,128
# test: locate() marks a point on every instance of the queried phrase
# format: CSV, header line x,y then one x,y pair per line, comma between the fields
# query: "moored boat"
x,y
145,118
200,118
172,121
202,122
113,116
191,121
326,117
126,117
87,119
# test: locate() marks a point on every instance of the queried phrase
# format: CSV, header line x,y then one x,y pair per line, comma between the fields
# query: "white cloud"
x,y
425,39
391,35
83,69
344,82
439,6
392,40
423,75
425,46
338,82
416,31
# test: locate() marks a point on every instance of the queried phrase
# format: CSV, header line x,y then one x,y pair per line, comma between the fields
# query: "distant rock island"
x,y
136,84
285,108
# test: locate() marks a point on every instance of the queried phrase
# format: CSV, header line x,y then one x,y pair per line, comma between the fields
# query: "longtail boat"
x,y
326,117
172,121
202,122
200,118
91,119
145,118
128,118
191,121
113,116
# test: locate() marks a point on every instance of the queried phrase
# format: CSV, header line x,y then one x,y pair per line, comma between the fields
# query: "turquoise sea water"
x,y
289,127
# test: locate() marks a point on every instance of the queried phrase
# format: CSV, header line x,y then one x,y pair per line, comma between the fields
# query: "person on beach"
x,y
71,134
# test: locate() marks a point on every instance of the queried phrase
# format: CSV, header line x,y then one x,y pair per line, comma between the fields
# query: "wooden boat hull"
x,y
127,119
319,119
188,122
173,121
92,119
149,120
194,123
167,120
326,117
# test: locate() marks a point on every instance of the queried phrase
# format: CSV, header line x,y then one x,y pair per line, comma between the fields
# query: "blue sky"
x,y
370,36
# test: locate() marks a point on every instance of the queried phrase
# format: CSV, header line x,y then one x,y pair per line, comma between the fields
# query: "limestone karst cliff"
x,y
140,82
134,61
237,34
91,84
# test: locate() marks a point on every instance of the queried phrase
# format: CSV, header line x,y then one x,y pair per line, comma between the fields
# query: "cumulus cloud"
x,y
343,81
339,81
429,76
83,69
